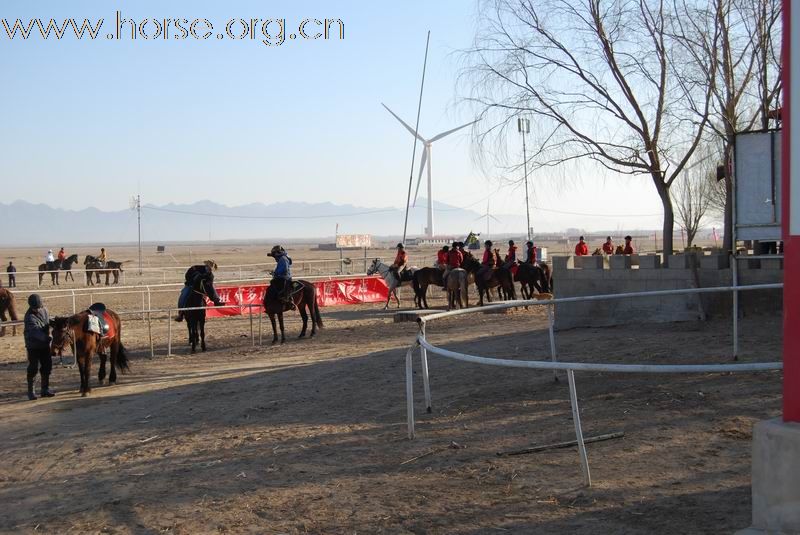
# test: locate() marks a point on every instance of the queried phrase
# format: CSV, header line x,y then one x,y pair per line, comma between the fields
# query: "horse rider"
x,y
37,345
441,257
608,246
530,253
49,260
400,262
101,258
454,260
209,266
487,264
628,246
281,284
581,249
62,255
511,255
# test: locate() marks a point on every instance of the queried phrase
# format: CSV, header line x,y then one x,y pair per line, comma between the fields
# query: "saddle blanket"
x,y
96,326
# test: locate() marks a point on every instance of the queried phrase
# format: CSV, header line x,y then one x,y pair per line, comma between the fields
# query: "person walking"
x,y
37,344
12,275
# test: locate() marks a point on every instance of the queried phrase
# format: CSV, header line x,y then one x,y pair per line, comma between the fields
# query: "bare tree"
x,y
599,80
740,64
692,196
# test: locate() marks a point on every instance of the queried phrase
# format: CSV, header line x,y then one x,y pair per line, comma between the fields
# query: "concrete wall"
x,y
577,276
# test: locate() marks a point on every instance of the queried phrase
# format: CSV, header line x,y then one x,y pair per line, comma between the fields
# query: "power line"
x,y
237,216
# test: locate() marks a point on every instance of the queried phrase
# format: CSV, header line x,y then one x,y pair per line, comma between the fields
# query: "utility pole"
x,y
524,127
138,206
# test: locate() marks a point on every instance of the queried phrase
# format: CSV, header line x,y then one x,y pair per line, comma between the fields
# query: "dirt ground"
x,y
310,437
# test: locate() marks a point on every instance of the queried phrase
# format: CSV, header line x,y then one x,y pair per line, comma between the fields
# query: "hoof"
x,y
301,336
283,341
275,341
84,394
112,383
429,410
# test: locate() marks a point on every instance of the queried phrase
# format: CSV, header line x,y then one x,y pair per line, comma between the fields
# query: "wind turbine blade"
x,y
493,217
413,133
421,170
443,134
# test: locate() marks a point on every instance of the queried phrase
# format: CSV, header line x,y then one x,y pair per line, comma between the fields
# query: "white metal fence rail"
x,y
421,343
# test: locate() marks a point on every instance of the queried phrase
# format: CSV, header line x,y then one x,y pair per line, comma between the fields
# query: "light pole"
x,y
136,204
524,127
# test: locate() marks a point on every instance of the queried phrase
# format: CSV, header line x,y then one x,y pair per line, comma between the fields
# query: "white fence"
x,y
424,347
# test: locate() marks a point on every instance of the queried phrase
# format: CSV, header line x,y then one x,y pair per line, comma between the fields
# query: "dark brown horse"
x,y
304,296
532,277
56,267
498,277
422,278
73,329
93,266
7,305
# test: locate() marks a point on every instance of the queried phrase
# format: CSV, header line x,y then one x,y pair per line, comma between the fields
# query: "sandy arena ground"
x,y
310,437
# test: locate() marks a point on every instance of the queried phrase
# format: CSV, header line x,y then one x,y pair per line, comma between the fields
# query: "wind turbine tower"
x,y
426,163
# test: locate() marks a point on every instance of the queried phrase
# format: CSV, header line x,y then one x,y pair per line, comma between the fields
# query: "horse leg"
x,y
274,327
304,315
280,322
202,325
112,373
311,313
396,298
107,276
101,373
191,324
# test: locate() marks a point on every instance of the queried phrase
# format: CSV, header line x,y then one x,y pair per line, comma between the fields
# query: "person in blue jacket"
x,y
281,284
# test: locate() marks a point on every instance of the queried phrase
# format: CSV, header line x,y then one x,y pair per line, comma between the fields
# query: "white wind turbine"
x,y
426,159
488,216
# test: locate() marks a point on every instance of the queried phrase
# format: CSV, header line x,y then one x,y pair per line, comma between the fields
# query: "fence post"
x,y
74,307
576,418
169,332
150,334
423,356
260,330
240,273
410,392
735,277
553,357
252,335
143,306
149,302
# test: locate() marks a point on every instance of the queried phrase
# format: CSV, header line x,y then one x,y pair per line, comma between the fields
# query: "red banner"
x,y
351,291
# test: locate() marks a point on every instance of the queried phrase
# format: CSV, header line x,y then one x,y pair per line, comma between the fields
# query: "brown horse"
x,y
56,267
73,329
423,278
499,277
93,266
7,305
304,296
532,277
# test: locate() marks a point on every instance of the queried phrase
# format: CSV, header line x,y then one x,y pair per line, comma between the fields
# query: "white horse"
x,y
390,278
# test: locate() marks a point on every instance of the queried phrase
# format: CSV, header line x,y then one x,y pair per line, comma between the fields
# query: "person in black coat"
x,y
37,343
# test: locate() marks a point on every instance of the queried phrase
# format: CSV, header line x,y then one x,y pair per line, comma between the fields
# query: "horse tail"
x,y
122,358
317,315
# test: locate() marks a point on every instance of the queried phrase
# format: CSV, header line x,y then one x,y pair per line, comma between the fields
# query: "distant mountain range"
x,y
23,223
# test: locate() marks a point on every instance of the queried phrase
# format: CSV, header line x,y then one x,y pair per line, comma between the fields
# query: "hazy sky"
x,y
91,122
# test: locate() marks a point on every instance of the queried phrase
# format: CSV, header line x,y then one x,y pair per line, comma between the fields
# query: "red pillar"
x,y
790,173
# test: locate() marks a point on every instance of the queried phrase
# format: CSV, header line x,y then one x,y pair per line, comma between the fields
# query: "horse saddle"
x,y
406,276
98,322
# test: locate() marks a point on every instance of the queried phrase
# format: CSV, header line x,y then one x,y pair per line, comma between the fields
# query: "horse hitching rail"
x,y
424,346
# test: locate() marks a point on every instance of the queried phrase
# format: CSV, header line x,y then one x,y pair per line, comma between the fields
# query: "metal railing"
x,y
421,343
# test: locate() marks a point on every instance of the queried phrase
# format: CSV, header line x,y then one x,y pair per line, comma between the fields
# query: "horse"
x,y
457,281
74,329
619,250
532,277
7,305
202,287
93,266
391,280
499,277
304,296
55,267
421,279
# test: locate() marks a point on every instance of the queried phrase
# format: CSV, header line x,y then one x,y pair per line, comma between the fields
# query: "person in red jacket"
x,y
511,255
441,257
487,263
581,249
454,260
400,262
628,245
608,246
530,253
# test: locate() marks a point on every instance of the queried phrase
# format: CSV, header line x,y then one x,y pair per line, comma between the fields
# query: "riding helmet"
x,y
35,301
488,243
400,246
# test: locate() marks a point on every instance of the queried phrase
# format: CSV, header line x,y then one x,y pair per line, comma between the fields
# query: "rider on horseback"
x,y
101,258
49,260
281,284
200,270
530,253
511,256
400,262
487,264
454,260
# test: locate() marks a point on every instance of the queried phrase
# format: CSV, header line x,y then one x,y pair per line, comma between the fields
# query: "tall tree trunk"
x,y
669,215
